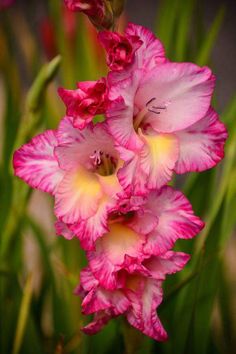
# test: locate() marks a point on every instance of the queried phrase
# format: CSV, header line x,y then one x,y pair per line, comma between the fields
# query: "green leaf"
x,y
182,31
210,39
23,314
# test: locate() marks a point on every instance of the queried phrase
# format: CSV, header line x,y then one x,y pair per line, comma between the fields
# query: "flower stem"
x,y
133,339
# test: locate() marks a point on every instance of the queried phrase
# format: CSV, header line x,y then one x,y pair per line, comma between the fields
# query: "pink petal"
x,y
151,51
182,90
143,222
120,49
144,300
99,321
105,304
63,229
36,164
89,230
120,111
168,263
132,178
202,144
158,158
77,196
87,281
85,102
176,220
110,253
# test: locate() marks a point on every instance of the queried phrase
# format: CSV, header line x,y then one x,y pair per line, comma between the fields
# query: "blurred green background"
x,y
38,270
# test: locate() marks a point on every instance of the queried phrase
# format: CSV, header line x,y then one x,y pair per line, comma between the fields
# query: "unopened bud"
x,y
117,7
99,12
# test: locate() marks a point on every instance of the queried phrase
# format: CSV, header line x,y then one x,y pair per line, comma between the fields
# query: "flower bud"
x,y
117,7
99,11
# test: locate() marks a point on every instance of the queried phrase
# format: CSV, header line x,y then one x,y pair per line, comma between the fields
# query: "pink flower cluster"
x,y
109,179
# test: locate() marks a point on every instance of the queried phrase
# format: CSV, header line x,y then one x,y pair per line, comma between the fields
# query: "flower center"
x,y
149,108
120,217
104,164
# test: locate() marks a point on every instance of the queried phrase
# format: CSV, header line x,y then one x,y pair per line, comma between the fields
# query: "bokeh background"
x,y
39,270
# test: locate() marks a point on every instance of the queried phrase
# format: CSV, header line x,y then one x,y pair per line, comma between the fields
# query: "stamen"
x,y
152,109
96,157
150,101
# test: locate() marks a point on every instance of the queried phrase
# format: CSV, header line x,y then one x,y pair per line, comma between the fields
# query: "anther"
x,y
151,100
154,109
96,157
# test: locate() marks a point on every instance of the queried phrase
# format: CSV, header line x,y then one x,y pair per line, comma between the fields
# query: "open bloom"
x,y
79,168
162,122
137,296
85,102
137,48
150,230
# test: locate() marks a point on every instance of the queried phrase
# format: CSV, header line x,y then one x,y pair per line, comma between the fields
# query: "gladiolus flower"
x,y
135,235
85,102
137,296
79,169
162,122
109,179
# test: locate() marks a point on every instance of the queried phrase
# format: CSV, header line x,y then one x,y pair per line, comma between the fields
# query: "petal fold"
x,y
36,163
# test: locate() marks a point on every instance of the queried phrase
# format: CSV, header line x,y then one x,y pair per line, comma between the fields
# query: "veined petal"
x,y
180,93
132,177
158,158
176,220
120,110
63,229
202,144
36,164
168,263
100,319
151,52
145,296
77,196
89,230
110,253
105,304
143,222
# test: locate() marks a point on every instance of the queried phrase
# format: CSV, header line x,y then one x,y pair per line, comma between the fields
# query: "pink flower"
x,y
137,297
138,48
162,122
80,169
85,102
135,235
